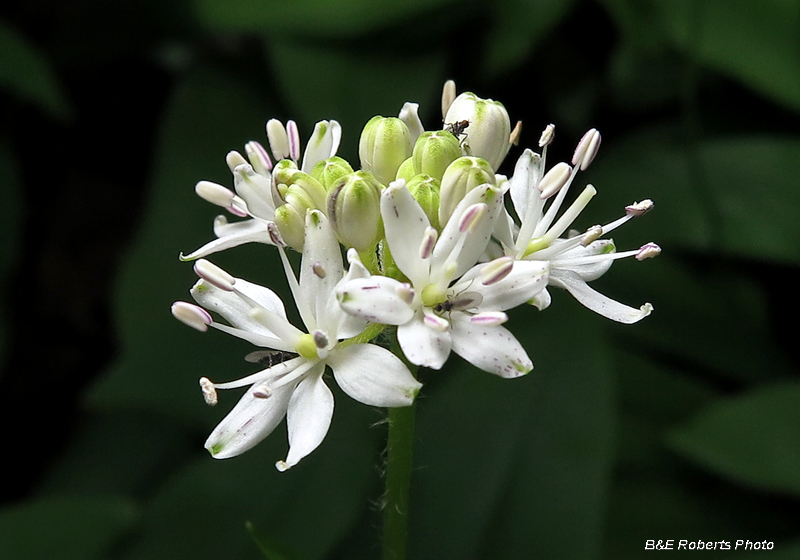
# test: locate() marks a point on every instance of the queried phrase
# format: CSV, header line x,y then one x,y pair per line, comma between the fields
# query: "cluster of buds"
x,y
433,253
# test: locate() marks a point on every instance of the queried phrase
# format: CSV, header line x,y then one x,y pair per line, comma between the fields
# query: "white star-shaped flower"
x,y
294,388
449,302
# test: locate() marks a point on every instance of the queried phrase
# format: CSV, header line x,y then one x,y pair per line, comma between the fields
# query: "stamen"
x,y
471,217
554,180
448,96
428,242
263,391
592,234
294,140
435,322
494,271
214,193
209,391
639,208
318,269
489,318
192,315
515,134
258,156
548,134
648,251
234,159
214,275
275,235
571,213
278,139
587,149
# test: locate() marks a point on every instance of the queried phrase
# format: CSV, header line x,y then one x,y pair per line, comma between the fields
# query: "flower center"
x,y
307,347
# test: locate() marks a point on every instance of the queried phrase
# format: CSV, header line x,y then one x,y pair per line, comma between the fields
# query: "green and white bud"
x,y
461,176
285,174
489,131
385,144
425,190
329,171
434,151
291,217
354,210
406,170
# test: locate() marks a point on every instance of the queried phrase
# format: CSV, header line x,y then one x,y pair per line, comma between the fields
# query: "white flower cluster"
x,y
432,250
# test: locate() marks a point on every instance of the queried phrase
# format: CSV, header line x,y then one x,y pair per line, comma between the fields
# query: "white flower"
x,y
294,388
450,303
255,194
577,258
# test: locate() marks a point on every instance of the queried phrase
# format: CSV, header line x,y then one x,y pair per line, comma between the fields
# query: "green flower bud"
x,y
328,172
489,130
285,174
434,151
354,210
406,170
425,189
385,144
291,223
461,176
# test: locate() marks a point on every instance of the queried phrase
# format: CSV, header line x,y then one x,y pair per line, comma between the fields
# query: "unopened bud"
x,y
285,173
488,135
406,170
291,223
329,171
385,144
192,315
426,191
460,177
434,151
354,210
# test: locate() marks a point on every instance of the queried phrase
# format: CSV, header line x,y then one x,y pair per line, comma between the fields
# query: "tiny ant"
x,y
269,358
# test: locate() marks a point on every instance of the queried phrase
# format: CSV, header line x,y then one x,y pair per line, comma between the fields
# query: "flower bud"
x,y
461,176
285,174
329,171
385,144
434,151
425,190
354,210
406,170
291,217
489,130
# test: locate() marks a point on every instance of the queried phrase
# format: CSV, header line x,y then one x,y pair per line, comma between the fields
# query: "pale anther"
x,y
494,271
428,242
214,275
547,135
318,270
555,179
214,193
448,96
320,339
209,391
515,134
639,208
234,159
192,315
587,149
648,251
471,217
592,234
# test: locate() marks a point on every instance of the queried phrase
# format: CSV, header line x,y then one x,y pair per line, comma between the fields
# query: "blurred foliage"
x,y
685,426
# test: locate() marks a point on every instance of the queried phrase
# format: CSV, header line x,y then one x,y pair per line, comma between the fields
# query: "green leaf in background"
x,y
351,85
753,439
210,114
9,227
26,72
319,18
506,466
269,546
523,24
756,43
64,527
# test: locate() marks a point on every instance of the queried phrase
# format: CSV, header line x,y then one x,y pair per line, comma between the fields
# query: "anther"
x,y
471,217
320,339
318,270
428,242
494,271
554,180
587,149
262,392
214,193
515,134
547,135
214,275
209,391
258,156
592,234
278,139
192,315
648,251
489,318
639,208
448,96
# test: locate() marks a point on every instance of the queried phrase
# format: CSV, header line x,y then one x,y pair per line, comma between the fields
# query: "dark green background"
x,y
684,426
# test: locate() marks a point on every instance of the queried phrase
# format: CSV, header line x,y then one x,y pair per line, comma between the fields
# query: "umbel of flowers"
x,y
438,246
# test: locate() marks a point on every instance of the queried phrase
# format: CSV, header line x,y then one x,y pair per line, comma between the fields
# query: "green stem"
x,y
398,482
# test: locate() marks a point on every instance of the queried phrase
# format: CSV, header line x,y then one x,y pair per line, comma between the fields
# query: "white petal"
x,y
320,269
477,239
523,191
376,299
405,224
596,301
232,235
309,416
422,345
255,190
589,272
490,348
234,309
373,375
523,283
251,420
349,325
